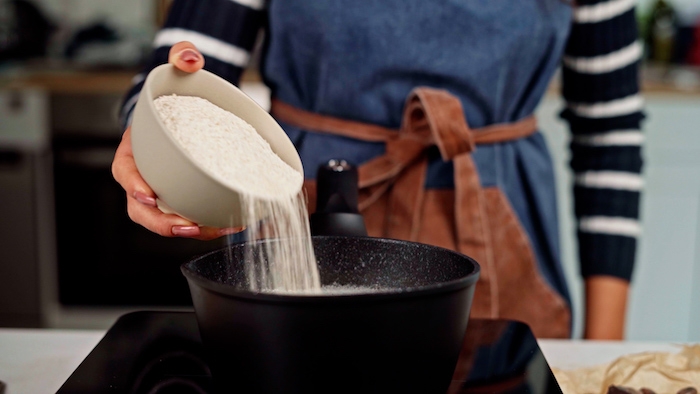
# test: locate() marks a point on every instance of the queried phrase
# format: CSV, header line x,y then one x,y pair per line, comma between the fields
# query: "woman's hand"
x,y
141,201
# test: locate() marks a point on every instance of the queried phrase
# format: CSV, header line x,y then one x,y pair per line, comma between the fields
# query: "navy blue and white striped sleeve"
x,y
224,31
604,111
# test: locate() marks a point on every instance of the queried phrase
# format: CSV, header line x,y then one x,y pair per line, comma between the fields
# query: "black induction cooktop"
x,y
161,352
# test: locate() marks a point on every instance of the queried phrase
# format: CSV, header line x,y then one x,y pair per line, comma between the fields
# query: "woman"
x,y
428,70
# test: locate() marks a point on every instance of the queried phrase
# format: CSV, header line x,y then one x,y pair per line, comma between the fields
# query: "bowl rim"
x,y
227,291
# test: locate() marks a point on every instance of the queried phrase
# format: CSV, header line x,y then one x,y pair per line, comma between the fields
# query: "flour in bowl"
x,y
272,203
227,146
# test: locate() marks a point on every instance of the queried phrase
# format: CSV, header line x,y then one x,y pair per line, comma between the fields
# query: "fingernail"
x,y
145,199
189,56
231,230
185,231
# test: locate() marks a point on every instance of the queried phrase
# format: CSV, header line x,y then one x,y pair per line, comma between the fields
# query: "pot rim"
x,y
395,293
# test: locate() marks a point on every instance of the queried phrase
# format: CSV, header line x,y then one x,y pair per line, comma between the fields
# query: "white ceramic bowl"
x,y
182,186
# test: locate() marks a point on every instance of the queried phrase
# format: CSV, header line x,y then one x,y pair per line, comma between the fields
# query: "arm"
x,y
601,87
606,305
215,34
224,31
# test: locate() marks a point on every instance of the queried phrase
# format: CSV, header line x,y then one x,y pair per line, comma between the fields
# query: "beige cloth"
x,y
659,371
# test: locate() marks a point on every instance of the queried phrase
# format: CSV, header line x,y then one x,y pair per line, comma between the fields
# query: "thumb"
x,y
185,56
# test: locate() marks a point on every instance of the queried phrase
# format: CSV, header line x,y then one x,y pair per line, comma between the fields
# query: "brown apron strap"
x,y
312,121
506,131
431,117
325,124
473,232
435,117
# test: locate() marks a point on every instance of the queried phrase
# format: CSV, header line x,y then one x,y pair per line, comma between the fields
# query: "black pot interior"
x,y
377,263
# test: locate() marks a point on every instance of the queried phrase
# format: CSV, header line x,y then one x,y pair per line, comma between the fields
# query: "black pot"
x,y
405,338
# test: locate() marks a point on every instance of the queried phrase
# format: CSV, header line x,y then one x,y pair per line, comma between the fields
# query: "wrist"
x,y
606,307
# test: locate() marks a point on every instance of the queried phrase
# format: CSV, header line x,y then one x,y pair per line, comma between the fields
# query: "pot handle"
x,y
337,210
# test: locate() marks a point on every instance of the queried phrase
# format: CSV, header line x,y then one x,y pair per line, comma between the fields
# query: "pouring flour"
x,y
272,204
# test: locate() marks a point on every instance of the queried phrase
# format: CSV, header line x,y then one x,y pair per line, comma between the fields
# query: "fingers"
x,y
141,201
185,56
209,233
125,172
168,225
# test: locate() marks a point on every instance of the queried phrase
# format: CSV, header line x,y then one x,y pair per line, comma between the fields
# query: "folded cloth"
x,y
661,372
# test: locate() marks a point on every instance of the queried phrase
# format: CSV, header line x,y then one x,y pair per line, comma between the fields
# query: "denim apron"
x,y
360,60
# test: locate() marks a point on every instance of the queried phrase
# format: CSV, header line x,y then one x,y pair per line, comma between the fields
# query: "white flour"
x,y
287,264
271,201
227,146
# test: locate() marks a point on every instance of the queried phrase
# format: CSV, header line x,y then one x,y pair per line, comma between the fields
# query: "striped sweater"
x,y
600,85
604,110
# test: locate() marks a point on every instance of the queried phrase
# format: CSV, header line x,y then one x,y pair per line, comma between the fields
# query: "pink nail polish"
x,y
189,56
231,230
145,200
185,231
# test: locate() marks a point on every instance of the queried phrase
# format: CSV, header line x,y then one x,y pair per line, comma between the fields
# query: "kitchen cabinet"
x,y
665,296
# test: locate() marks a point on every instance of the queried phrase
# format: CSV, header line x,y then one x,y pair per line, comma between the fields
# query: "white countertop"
x,y
41,360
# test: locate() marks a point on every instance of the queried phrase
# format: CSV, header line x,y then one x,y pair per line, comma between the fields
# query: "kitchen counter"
x,y
41,360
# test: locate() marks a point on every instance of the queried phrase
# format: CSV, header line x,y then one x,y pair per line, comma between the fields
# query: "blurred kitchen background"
x,y
71,258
